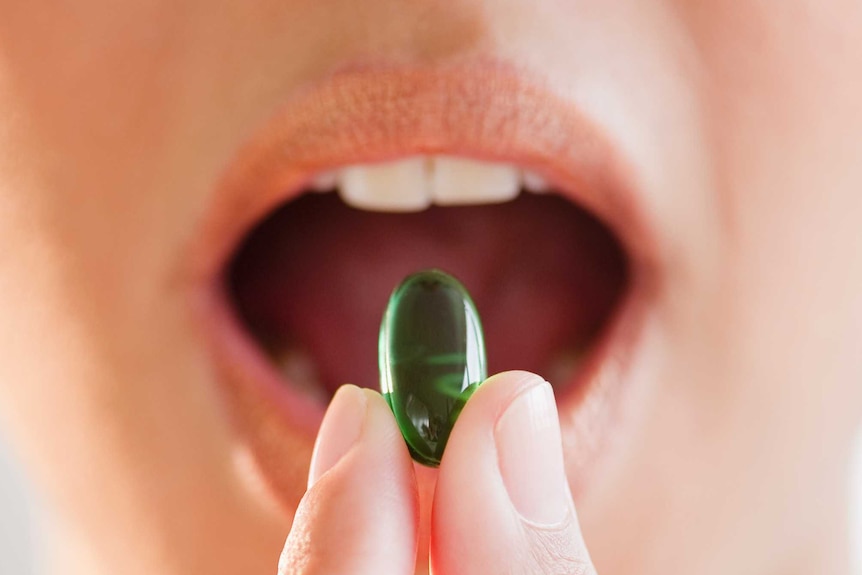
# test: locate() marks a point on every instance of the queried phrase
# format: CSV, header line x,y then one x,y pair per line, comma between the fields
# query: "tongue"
x,y
314,278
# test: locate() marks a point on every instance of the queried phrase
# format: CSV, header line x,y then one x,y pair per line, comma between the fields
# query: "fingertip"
x,y
495,394
379,410
530,457
362,492
358,416
340,429
472,437
470,495
502,475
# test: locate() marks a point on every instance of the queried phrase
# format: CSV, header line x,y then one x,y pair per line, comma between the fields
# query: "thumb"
x,y
502,503
360,514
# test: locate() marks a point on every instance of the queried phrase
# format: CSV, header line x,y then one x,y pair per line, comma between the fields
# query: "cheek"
x,y
787,117
761,380
104,380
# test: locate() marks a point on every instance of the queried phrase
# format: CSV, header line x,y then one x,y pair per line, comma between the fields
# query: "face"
x,y
178,306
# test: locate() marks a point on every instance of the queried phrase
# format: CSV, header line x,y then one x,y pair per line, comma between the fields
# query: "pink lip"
x,y
485,110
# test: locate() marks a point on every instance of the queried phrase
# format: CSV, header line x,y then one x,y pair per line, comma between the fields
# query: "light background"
x,y
20,539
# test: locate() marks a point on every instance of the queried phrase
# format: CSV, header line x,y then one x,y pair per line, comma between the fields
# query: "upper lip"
x,y
483,110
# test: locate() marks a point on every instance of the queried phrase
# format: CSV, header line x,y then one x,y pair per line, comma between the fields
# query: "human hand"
x,y
502,503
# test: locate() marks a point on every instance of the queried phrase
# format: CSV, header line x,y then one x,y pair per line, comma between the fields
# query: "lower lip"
x,y
265,406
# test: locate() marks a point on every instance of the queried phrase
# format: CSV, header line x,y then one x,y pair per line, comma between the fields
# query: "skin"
x,y
117,119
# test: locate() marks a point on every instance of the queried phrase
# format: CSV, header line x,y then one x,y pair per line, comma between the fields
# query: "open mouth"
x,y
377,173
310,282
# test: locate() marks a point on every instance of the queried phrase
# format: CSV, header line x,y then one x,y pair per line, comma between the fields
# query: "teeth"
x,y
533,182
324,182
399,186
414,183
298,368
457,181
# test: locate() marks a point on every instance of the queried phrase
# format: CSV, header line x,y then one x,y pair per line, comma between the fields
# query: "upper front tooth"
x,y
398,186
462,181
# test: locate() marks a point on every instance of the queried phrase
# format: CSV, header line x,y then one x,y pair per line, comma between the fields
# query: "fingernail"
x,y
530,456
339,430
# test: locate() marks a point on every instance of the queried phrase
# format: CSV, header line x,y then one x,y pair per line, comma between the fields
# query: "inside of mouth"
x,y
311,281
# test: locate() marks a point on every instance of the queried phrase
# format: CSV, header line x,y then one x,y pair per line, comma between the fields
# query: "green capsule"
x,y
432,358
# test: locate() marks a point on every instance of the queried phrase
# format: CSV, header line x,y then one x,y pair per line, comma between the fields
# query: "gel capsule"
x,y
432,358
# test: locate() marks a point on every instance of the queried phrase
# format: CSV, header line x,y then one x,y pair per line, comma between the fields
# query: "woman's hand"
x,y
502,503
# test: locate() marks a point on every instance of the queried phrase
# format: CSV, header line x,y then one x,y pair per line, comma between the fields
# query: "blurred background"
x,y
21,539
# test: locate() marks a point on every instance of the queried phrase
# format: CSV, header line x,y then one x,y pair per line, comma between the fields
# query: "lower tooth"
x,y
565,365
297,367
